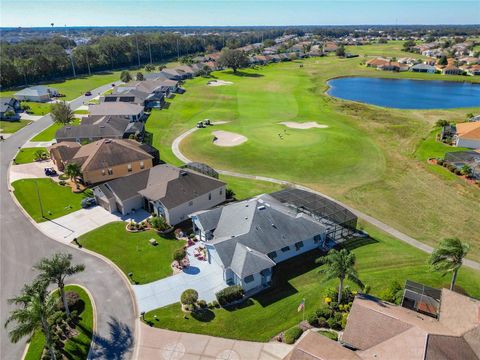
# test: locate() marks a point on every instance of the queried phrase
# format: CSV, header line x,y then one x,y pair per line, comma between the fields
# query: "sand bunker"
x,y
305,125
226,138
219,83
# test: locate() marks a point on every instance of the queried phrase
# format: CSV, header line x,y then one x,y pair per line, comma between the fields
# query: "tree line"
x,y
44,59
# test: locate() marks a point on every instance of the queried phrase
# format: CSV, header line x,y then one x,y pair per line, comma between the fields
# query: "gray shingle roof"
x,y
247,261
262,224
38,90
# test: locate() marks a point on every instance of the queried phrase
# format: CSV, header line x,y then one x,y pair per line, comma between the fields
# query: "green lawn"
x,y
390,49
367,157
81,112
56,200
132,252
379,261
77,347
27,155
430,148
10,127
38,109
49,133
245,188
329,334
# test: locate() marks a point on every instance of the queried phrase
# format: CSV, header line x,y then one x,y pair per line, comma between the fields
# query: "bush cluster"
x,y
179,254
229,294
292,334
189,297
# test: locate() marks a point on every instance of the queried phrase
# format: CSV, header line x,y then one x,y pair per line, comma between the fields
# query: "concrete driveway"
x,y
162,344
202,276
29,171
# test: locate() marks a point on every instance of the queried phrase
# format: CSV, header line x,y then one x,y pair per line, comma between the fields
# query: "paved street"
x,y
159,344
22,245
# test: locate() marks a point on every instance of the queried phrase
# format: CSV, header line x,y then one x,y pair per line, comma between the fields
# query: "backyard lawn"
x,y
245,188
366,157
9,127
76,347
379,261
38,109
56,200
49,133
27,155
132,252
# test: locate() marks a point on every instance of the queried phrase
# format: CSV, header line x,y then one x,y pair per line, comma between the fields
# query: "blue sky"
x,y
27,13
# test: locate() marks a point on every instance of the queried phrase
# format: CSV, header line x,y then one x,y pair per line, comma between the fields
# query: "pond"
x,y
406,94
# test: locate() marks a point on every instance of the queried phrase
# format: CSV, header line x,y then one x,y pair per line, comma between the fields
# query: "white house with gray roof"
x,y
37,93
247,239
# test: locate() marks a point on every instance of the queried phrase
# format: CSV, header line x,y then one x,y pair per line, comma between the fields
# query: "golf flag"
x,y
301,306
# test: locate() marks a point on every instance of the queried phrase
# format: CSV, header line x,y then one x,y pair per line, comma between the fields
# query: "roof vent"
x,y
102,126
108,141
246,218
183,173
261,207
273,225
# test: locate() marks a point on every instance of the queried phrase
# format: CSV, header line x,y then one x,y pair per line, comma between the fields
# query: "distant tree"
x,y
469,116
61,113
340,51
161,67
382,41
125,76
139,76
340,265
443,60
232,43
210,49
448,257
56,269
149,67
442,123
233,59
408,45
268,43
429,39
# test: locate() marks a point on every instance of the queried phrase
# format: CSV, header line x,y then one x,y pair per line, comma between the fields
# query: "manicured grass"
x,y
390,49
329,334
49,133
132,252
38,108
56,200
431,148
76,347
27,155
245,188
380,260
10,127
366,157
80,112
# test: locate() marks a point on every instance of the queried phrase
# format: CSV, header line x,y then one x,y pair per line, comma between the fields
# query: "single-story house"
x,y
376,62
473,70
187,70
164,190
452,70
37,93
468,135
102,160
423,68
137,96
134,112
247,239
9,108
377,329
173,74
94,127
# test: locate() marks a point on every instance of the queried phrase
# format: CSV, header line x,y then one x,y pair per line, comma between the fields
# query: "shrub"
x,y
292,334
442,123
202,304
324,312
62,182
322,322
215,304
343,322
393,293
179,254
333,324
229,294
312,319
189,297
158,223
440,162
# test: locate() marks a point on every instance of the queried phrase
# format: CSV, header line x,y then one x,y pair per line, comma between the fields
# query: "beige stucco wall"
x,y
96,176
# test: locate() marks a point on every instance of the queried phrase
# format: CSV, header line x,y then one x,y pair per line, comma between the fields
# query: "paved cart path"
x,y
381,225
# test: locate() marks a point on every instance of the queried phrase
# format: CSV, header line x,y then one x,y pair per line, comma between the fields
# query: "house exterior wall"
x,y
468,143
202,202
308,245
34,98
128,205
101,175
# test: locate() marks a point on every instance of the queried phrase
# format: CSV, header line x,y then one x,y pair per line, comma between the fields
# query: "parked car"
x,y
88,93
50,172
88,202
200,124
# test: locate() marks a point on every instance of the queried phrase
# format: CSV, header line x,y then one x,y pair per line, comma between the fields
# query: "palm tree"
x,y
72,170
448,257
56,269
341,265
36,307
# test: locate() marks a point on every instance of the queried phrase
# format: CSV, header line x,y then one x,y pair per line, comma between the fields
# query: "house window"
x,y
129,166
286,248
210,196
272,255
316,239
110,171
249,279
142,165
299,245
103,171
221,191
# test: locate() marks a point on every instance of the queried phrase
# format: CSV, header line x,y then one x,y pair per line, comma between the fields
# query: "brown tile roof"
x,y
313,346
448,347
469,130
377,62
459,313
66,150
106,153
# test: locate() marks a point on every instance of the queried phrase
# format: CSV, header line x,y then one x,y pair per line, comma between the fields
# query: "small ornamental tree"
x,y
340,51
189,297
125,76
179,254
149,67
139,77
61,113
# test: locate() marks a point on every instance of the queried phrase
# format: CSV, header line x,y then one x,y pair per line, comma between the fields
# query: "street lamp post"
x,y
39,199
